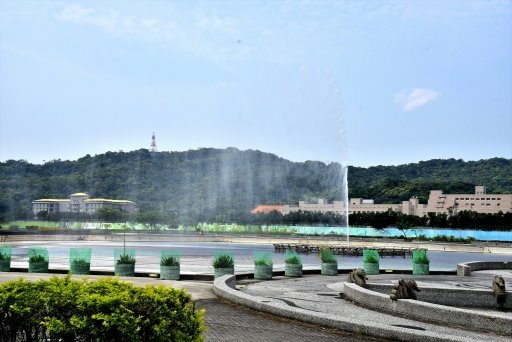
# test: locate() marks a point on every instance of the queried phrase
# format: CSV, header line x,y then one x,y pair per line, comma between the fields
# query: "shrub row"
x,y
62,309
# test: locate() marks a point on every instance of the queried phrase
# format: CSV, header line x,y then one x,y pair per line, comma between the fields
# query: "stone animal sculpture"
x,y
498,289
405,289
357,276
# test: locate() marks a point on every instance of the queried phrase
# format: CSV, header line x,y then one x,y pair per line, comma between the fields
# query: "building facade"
x,y
480,201
80,203
438,203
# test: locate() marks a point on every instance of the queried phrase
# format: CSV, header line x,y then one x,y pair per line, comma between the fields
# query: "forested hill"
x,y
209,182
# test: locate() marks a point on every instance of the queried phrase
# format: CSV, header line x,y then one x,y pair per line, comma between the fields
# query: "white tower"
x,y
152,147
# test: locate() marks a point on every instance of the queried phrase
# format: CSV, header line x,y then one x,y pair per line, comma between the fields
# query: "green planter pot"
x,y
219,272
38,267
5,265
292,270
80,269
329,269
371,269
170,272
125,270
263,272
421,269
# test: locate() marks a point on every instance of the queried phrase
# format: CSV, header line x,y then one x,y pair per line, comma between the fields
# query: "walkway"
x,y
321,294
230,322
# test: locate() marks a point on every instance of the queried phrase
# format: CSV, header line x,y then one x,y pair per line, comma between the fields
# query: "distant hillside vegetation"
x,y
208,182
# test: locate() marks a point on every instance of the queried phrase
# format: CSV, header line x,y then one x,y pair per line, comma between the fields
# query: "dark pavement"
x,y
230,322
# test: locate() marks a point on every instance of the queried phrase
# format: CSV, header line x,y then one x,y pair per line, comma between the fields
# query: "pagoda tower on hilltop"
x,y
152,147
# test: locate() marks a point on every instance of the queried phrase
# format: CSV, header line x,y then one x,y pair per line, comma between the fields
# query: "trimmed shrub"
x,y
62,309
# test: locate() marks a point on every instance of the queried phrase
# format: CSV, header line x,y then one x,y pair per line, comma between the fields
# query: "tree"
x,y
152,218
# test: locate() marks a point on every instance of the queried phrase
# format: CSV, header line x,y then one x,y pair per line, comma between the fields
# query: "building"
x,y
438,203
322,206
265,209
80,203
480,201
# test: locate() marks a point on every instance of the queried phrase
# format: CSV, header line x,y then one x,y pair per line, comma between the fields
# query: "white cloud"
x,y
75,13
410,99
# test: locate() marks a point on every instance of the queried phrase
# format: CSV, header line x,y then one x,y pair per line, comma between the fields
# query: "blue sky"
x,y
363,82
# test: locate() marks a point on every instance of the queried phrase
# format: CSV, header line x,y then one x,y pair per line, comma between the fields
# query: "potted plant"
x,y
170,267
125,265
80,266
329,262
263,266
292,265
420,262
223,264
38,260
5,260
371,262
80,260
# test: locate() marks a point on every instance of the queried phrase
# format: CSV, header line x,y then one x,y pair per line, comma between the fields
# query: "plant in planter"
x,y
169,266
38,260
5,259
420,262
80,260
371,261
329,262
263,266
125,263
223,264
80,266
292,265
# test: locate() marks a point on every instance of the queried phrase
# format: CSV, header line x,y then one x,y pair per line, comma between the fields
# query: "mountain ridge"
x,y
208,182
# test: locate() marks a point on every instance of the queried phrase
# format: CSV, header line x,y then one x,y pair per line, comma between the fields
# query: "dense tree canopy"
x,y
223,185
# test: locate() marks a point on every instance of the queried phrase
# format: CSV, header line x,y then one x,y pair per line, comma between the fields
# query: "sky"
x,y
359,82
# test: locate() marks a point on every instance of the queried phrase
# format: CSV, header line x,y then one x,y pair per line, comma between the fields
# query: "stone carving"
x,y
498,289
406,289
357,276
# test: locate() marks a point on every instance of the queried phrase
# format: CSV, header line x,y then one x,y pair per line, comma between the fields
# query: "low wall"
x,y
473,320
223,287
502,248
465,269
451,297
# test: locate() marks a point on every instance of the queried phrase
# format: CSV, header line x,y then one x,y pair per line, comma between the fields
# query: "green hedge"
x,y
62,309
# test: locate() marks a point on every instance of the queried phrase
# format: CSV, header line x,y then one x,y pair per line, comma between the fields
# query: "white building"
x,y
80,203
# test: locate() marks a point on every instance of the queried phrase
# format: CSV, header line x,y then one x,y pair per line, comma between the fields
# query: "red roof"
x,y
265,209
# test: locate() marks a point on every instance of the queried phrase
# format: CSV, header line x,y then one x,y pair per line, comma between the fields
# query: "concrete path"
x,y
230,322
320,294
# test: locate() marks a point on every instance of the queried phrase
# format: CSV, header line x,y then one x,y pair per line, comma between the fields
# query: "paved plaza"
x,y
227,321
320,294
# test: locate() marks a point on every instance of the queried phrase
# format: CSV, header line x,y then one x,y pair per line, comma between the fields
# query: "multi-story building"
x,y
480,201
80,203
438,203
322,206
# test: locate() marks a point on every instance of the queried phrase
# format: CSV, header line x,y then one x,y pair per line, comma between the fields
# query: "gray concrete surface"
x,y
315,299
465,269
495,321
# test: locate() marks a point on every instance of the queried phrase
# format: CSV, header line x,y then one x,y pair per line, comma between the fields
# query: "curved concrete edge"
x,y
423,311
457,297
224,287
464,269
